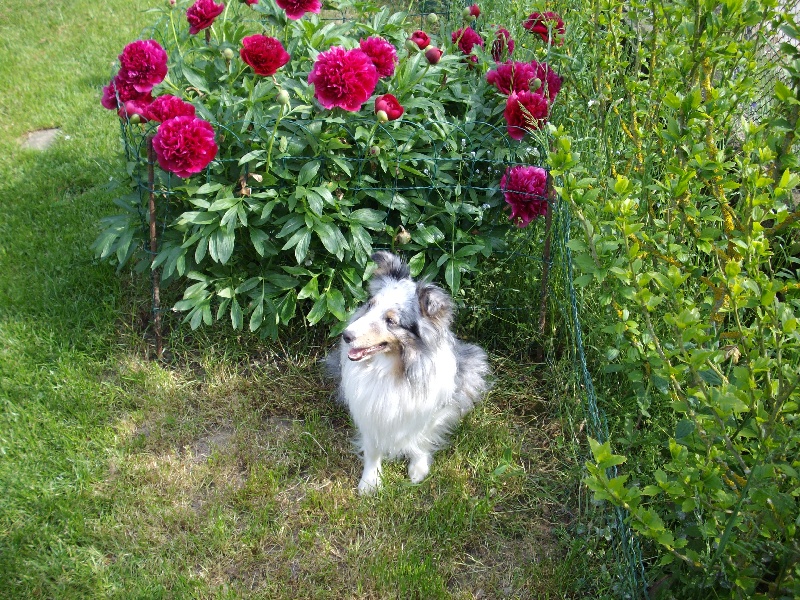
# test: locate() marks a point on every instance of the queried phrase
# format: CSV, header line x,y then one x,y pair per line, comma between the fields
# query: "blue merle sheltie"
x,y
405,378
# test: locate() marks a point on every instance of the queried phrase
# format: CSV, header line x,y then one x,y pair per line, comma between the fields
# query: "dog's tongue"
x,y
357,353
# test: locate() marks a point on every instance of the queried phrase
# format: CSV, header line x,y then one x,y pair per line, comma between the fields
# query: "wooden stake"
x,y
548,225
154,273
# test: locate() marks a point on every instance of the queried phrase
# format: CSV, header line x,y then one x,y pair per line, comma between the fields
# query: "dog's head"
x,y
401,316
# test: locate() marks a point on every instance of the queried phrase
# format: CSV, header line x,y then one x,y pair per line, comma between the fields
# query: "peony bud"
x,y
382,116
390,106
432,18
402,237
433,54
283,97
420,38
374,150
228,53
467,14
535,84
135,118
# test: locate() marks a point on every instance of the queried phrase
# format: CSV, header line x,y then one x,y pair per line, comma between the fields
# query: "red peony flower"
x,y
117,93
134,107
515,76
511,76
551,82
264,54
467,38
525,190
202,13
184,145
421,39
389,104
525,111
503,45
381,53
548,26
109,99
168,106
433,54
343,78
295,9
143,64
474,11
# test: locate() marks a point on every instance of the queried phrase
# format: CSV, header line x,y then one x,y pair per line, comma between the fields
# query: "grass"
x,y
227,471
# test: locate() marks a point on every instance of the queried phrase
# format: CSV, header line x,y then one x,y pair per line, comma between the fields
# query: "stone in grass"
x,y
41,139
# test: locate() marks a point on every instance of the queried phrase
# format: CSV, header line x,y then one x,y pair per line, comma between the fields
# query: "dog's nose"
x,y
348,337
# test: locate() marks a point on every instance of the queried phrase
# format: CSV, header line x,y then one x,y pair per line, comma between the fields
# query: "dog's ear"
x,y
389,265
435,304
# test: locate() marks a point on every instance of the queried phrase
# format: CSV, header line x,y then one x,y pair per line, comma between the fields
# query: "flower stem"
x,y
272,138
225,18
174,32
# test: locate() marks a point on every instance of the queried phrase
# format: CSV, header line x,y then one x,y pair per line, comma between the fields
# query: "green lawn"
x,y
226,472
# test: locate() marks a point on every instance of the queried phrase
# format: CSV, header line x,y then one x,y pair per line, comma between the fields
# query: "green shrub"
x,y
285,217
689,263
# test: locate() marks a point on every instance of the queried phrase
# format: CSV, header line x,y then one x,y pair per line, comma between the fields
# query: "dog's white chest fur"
x,y
398,417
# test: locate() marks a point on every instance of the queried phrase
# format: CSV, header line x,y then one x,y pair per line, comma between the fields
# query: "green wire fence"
x,y
526,289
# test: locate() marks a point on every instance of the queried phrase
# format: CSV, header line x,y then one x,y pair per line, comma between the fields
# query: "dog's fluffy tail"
x,y
471,382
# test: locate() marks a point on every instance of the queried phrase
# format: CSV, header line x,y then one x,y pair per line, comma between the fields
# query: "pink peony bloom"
x,y
389,104
202,13
467,38
525,111
295,9
474,11
551,82
515,76
511,76
109,99
343,78
134,107
117,93
264,54
143,65
421,39
381,53
184,145
525,191
433,54
548,26
168,106
503,45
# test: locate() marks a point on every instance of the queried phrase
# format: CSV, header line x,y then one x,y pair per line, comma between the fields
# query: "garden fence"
x,y
526,290
516,297
765,77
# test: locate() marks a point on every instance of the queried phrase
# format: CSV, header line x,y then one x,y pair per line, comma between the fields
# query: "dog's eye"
x,y
391,320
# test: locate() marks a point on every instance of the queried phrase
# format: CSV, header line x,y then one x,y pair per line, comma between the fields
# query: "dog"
x,y
405,378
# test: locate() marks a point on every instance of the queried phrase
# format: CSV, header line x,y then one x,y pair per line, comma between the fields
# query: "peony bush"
x,y
277,144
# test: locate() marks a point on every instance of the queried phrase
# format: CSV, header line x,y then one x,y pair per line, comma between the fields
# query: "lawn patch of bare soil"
x,y
241,477
41,139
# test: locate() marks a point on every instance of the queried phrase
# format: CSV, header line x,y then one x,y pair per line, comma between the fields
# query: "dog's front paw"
x,y
419,467
370,483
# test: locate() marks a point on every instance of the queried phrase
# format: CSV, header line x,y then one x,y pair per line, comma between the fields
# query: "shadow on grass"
x,y
227,470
